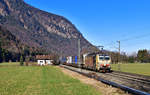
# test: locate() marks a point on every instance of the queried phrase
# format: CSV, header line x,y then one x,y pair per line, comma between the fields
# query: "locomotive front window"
x,y
101,57
107,58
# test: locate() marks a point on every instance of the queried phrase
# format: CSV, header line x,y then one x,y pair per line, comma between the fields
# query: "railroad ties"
x,y
133,84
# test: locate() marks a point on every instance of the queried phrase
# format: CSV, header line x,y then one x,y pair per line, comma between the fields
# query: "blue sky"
x,y
103,22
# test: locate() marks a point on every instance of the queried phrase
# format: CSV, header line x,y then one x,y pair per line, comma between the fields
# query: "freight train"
x,y
93,61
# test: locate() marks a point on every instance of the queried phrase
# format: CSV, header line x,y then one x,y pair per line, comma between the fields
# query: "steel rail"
x,y
133,76
129,78
125,88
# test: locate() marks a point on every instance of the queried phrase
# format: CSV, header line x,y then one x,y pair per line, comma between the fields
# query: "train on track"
x,y
93,61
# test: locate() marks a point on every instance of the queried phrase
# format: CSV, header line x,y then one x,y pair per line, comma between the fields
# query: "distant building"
x,y
44,60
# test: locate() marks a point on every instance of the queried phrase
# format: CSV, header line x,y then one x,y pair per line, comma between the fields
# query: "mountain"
x,y
40,29
9,41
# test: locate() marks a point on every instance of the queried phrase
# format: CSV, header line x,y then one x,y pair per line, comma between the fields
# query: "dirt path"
x,y
102,88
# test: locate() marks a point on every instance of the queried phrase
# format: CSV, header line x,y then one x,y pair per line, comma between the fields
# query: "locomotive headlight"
x,y
101,65
108,65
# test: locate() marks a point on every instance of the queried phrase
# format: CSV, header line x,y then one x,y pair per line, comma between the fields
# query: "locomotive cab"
x,y
103,63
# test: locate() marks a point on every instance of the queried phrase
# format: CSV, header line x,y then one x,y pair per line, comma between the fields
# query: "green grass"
x,y
138,68
10,64
34,80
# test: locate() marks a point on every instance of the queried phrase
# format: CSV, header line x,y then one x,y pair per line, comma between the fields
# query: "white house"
x,y
44,60
41,62
49,62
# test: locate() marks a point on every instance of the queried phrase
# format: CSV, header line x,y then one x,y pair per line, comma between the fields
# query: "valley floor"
x,y
137,68
35,80
48,80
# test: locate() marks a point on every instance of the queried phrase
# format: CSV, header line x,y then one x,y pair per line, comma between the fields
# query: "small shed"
x,y
44,60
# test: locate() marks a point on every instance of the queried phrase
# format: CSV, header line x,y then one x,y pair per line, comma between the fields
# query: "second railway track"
x,y
126,80
130,77
133,81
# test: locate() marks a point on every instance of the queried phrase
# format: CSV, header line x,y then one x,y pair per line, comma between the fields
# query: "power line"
x,y
112,45
119,68
129,39
136,37
135,44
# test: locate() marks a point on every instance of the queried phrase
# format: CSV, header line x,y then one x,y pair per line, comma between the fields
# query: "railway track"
x,y
142,77
130,77
134,84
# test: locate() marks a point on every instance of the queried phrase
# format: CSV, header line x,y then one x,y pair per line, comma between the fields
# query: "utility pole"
x,y
119,67
119,46
79,54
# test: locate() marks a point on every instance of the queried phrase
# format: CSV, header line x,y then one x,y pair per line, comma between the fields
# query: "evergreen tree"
x,y
21,60
143,56
3,55
0,53
131,59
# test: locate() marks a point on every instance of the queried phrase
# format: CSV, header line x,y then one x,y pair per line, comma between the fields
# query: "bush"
x,y
21,60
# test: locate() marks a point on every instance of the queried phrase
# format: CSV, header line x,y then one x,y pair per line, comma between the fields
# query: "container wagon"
x,y
94,61
70,61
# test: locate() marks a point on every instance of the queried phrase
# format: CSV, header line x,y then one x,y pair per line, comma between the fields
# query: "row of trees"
x,y
6,56
142,56
25,54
